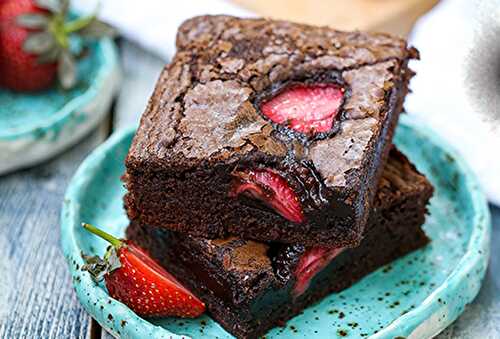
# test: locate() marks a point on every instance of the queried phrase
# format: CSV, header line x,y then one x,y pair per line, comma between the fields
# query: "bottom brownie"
x,y
250,287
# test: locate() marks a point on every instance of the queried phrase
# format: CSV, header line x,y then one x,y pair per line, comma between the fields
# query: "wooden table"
x,y
36,297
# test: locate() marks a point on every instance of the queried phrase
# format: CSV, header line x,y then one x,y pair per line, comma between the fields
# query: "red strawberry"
x,y
272,189
313,261
20,70
307,109
135,279
34,40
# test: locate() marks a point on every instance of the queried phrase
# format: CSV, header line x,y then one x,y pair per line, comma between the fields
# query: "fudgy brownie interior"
x,y
250,287
267,130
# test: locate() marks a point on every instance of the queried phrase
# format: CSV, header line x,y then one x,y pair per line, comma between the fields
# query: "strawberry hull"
x,y
35,43
133,277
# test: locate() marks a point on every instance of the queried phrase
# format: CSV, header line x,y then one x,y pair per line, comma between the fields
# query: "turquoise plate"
x,y
36,126
415,297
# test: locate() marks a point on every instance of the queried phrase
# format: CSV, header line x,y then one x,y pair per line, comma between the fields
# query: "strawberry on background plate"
x,y
134,278
35,43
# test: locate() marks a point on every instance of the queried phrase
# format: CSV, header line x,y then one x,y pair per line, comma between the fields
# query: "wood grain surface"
x,y
393,16
36,295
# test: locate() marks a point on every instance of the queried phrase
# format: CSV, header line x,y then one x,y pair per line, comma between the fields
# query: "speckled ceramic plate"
x,y
416,296
34,127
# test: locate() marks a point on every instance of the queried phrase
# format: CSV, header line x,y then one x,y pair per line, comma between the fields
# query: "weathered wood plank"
x,y
36,295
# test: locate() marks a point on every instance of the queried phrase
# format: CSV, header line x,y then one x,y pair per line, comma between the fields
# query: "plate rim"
x,y
411,320
110,55
472,257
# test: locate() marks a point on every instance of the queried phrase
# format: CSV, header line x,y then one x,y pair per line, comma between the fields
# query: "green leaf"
x,y
99,267
33,21
50,56
53,6
77,24
66,70
96,266
113,260
39,43
98,29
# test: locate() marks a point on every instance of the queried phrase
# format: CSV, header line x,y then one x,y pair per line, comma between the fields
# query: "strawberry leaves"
x,y
33,21
39,43
66,69
97,29
134,278
49,56
99,267
53,6
50,36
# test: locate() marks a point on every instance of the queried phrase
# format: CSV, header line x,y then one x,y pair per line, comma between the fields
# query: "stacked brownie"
x,y
262,174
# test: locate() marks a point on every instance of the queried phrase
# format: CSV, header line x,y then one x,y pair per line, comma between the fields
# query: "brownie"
x,y
220,152
250,287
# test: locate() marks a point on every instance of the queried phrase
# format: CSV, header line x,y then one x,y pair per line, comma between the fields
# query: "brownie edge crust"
x,y
204,123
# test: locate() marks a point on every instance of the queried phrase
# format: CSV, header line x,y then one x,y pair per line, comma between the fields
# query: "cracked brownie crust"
x,y
204,123
248,286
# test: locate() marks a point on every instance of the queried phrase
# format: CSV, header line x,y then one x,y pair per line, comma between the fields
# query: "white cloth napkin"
x,y
447,93
153,23
445,37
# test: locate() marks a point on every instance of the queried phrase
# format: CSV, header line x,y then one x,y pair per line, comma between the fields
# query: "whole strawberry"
x,y
134,278
35,43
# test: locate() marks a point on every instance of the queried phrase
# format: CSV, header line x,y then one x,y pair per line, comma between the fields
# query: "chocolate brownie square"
x,y
267,130
250,287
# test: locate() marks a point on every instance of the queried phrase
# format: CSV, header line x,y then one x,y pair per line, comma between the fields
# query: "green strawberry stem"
x,y
117,243
78,24
56,27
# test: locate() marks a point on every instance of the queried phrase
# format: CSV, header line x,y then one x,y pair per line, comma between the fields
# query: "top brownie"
x,y
268,130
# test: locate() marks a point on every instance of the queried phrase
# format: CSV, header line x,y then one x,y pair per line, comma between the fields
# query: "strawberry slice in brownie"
x,y
250,287
306,109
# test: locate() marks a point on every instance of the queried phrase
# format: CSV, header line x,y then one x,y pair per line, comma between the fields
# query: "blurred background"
x,y
456,92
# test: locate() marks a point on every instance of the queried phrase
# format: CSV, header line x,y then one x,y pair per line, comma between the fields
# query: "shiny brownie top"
x,y
231,91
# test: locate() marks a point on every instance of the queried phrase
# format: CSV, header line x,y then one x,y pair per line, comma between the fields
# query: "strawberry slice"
x,y
308,109
313,261
135,279
270,188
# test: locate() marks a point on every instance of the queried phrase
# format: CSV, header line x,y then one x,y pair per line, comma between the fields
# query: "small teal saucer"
x,y
416,296
36,126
